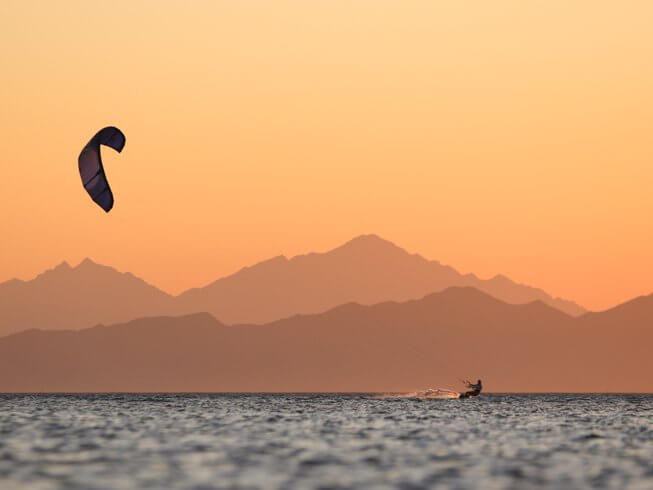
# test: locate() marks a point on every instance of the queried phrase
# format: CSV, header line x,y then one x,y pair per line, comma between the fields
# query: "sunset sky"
x,y
497,137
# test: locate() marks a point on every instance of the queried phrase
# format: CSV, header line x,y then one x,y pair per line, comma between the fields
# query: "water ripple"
x,y
202,441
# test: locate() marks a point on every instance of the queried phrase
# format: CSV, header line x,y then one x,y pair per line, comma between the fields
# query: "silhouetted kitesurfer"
x,y
474,389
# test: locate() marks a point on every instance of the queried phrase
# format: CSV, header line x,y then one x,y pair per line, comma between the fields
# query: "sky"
x,y
497,137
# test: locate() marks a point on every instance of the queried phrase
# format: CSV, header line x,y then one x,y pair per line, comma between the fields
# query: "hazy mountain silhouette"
x,y
366,269
385,347
76,297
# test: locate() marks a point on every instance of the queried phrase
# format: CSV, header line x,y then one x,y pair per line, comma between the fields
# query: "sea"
x,y
325,441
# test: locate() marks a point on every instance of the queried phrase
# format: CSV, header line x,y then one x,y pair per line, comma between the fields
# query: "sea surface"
x,y
205,441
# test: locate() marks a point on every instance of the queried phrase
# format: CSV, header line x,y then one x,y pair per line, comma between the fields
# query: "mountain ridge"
x,y
379,268
390,346
366,269
77,297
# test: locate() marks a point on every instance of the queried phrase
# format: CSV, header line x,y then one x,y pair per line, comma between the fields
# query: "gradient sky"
x,y
498,137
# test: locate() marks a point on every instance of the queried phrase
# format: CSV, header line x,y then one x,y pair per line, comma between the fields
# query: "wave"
x,y
435,393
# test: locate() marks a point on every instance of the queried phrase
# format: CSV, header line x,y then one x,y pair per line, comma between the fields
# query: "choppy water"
x,y
325,441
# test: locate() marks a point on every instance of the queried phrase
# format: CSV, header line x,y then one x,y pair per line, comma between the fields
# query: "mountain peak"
x,y
87,262
64,266
369,238
369,242
89,266
501,278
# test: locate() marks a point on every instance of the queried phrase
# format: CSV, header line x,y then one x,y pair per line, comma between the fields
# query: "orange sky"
x,y
498,137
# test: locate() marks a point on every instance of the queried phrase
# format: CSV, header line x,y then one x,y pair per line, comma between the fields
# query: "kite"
x,y
91,169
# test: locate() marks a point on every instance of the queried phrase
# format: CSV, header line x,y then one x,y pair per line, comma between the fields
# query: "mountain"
x,y
390,346
77,297
366,269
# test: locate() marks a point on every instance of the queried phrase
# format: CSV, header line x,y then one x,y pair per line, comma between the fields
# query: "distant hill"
x,y
460,332
77,297
366,269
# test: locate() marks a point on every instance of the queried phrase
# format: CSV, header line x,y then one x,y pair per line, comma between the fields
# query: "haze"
x,y
509,137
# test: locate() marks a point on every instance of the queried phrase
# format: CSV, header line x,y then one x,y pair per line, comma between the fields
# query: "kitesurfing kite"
x,y
91,169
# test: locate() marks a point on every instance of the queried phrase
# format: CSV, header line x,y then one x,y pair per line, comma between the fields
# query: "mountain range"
x,y
389,346
367,270
77,297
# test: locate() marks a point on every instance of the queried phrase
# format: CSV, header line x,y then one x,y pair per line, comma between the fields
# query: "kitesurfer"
x,y
474,389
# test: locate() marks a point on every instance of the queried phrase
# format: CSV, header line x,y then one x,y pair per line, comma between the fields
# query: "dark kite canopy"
x,y
91,169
